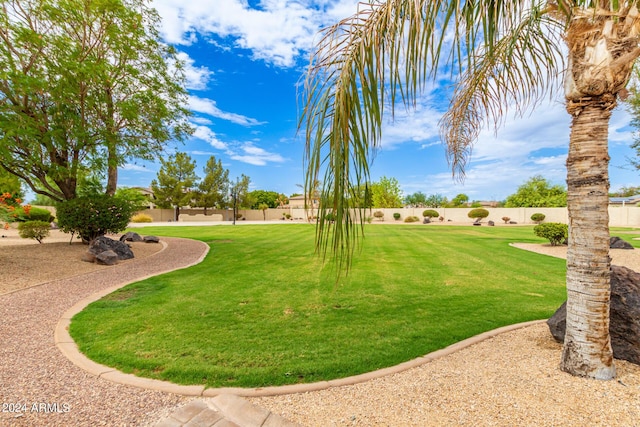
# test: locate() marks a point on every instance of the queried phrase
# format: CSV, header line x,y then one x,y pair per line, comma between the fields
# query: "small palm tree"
x,y
500,53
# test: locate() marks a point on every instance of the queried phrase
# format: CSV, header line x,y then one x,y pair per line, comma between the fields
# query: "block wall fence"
x,y
623,216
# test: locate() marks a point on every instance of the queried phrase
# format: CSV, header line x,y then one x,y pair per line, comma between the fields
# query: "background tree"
x,y
85,85
386,193
263,207
537,192
436,201
500,54
416,200
175,182
214,187
460,200
263,197
238,192
625,192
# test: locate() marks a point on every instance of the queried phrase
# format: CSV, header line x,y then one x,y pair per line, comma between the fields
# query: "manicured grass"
x,y
262,309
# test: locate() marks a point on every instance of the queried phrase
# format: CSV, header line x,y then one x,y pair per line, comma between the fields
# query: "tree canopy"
x,y
214,188
176,182
386,193
84,85
537,192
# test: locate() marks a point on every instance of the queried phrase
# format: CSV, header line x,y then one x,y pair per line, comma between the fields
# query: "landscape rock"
x,y
491,224
513,222
617,243
624,325
426,220
103,243
151,239
108,257
131,237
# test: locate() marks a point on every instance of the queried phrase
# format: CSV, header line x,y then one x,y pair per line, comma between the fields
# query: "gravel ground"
x,y
511,379
38,385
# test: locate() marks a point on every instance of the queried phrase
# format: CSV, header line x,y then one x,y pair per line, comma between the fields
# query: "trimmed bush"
x,y
478,213
34,230
379,215
506,219
29,213
141,217
430,213
538,217
411,219
396,216
94,216
557,233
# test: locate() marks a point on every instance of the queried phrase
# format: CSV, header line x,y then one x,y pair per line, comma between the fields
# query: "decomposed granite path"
x,y
39,386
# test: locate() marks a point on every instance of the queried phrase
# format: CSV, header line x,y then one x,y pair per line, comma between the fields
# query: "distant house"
x,y
299,202
148,194
624,201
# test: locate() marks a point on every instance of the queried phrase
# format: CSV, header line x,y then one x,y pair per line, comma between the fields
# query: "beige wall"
x,y
619,216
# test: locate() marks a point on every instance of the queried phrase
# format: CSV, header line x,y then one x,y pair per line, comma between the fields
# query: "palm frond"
x,y
519,71
364,66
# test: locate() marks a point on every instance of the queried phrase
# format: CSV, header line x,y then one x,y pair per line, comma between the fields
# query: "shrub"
x,y
34,230
379,215
506,219
430,213
557,233
29,213
411,219
478,213
141,217
396,216
94,216
329,217
537,217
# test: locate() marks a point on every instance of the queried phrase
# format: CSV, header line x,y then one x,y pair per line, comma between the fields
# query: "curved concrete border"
x,y
69,349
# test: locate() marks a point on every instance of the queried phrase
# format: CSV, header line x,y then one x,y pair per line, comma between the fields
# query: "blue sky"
x,y
244,61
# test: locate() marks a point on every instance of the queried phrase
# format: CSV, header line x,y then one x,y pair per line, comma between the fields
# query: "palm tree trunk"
x,y
587,346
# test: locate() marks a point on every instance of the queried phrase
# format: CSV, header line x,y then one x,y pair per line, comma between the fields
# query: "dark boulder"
x,y
103,243
491,224
108,257
618,243
624,325
131,237
151,239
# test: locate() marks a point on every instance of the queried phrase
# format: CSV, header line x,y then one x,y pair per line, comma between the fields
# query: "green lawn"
x,y
262,310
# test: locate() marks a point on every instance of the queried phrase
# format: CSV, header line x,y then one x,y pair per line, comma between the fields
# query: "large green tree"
x,y
500,54
537,192
386,193
176,182
214,187
84,85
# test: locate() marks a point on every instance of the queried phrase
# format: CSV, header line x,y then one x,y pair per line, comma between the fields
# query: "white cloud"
x,y
197,77
135,168
278,32
256,156
206,134
208,106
